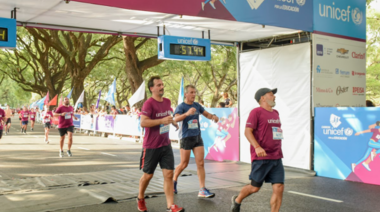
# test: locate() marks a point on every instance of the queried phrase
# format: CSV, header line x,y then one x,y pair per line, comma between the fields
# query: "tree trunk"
x,y
78,85
135,68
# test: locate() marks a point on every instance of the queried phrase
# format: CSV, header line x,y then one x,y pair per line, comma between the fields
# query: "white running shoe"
x,y
203,6
353,165
373,155
61,154
366,166
212,5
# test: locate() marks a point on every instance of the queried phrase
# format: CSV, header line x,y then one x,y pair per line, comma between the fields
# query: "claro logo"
x,y
358,55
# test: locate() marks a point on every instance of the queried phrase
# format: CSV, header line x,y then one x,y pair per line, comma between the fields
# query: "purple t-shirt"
x,y
24,115
65,121
376,134
2,115
157,136
266,127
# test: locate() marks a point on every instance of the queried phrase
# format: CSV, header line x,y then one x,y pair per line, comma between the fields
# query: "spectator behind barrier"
x,y
221,105
369,103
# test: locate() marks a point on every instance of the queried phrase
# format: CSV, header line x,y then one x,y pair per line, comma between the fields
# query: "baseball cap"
x,y
262,91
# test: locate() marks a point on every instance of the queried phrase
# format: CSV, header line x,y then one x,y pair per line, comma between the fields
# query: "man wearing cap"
x,y
263,131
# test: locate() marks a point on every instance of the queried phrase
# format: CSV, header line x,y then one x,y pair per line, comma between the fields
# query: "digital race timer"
x,y
7,33
183,48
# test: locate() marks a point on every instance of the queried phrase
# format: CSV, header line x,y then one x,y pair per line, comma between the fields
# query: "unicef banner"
x,y
221,140
347,144
341,17
294,14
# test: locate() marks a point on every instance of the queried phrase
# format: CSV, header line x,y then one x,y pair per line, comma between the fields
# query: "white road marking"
x,y
83,148
317,197
107,154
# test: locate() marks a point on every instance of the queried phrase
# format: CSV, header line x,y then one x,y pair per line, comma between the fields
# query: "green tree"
x,y
82,52
373,55
35,66
12,94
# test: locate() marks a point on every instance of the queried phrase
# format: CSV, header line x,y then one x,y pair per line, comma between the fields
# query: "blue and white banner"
x,y
346,143
87,122
77,122
111,93
341,17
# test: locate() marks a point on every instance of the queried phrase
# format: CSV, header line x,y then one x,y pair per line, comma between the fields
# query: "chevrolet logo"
x,y
342,51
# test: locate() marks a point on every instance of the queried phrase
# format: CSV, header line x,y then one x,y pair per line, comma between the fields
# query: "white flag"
x,y
138,95
80,99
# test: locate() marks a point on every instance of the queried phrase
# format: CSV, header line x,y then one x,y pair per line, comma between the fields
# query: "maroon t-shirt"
x,y
376,134
265,125
157,136
65,121
2,115
32,116
46,116
24,115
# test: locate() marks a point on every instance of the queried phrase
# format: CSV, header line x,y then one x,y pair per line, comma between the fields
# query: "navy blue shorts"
x,y
269,171
24,122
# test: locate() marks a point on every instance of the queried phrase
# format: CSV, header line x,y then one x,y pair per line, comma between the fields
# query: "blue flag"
x,y
111,93
71,92
181,94
40,103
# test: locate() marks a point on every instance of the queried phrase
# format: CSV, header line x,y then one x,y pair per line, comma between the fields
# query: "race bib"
x,y
68,116
277,133
25,116
164,128
1,116
192,124
47,120
32,116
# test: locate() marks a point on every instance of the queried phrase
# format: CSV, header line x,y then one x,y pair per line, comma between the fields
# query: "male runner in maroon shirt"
x,y
66,125
156,117
263,131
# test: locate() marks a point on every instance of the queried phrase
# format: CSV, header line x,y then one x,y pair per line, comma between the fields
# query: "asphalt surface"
x,y
26,159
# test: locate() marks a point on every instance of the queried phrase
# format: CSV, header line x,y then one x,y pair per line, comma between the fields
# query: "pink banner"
x,y
179,7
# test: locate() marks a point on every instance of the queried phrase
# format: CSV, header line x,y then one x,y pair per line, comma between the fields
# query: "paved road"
x,y
34,178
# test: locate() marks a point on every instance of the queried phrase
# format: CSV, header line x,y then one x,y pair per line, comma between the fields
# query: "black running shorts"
x,y
191,142
48,125
269,171
63,131
150,158
1,134
8,121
